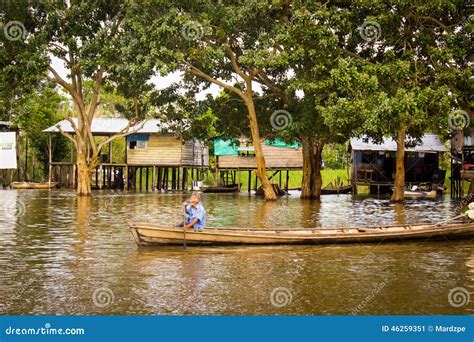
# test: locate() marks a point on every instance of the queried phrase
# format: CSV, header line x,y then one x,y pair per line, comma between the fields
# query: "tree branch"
x,y
263,78
67,135
233,62
123,133
197,72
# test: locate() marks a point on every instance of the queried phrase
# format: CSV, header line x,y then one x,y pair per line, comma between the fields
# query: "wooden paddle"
x,y
184,223
451,219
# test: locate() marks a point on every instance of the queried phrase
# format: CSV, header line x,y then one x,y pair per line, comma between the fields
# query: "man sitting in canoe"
x,y
195,214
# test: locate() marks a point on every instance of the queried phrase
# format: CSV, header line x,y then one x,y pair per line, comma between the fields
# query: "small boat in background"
x,y
220,188
33,185
329,190
157,234
416,192
337,188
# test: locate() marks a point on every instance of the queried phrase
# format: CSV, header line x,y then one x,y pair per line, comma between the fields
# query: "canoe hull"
x,y
421,194
31,185
150,234
220,189
334,191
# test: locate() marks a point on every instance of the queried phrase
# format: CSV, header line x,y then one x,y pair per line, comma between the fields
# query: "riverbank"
x,y
328,176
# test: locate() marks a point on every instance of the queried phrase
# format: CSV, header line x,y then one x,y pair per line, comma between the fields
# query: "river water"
x,y
60,254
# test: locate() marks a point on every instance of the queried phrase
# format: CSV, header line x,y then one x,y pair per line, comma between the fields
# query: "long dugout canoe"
x,y
33,185
153,234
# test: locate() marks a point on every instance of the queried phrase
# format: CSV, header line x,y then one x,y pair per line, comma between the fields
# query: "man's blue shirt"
x,y
196,213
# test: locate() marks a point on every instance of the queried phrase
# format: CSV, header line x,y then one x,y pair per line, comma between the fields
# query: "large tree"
x,y
306,49
212,43
397,42
90,40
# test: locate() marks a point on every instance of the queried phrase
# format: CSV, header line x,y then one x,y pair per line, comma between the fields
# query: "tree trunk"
x,y
399,187
312,159
267,187
307,169
317,178
83,174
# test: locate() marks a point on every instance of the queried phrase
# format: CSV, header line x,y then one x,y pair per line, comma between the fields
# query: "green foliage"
x,y
38,111
335,156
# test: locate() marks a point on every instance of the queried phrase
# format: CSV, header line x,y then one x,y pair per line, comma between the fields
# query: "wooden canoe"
x,y
154,234
220,189
420,194
33,185
332,191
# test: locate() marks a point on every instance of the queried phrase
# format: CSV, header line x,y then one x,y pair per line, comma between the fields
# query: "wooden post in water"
x,y
165,178
158,179
141,181
178,171
146,179
238,179
126,176
50,160
249,187
287,180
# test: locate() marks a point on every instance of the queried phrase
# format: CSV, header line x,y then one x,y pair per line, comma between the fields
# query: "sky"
x,y
159,81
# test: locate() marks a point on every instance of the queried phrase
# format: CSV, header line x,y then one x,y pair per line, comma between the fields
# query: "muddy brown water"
x,y
60,254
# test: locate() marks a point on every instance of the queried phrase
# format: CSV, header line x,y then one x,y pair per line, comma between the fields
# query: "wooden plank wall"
x,y
161,150
168,150
275,157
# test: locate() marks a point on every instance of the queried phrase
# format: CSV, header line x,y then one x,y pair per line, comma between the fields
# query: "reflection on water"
x,y
65,255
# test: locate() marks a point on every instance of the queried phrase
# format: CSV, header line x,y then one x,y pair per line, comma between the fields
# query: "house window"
x,y
136,145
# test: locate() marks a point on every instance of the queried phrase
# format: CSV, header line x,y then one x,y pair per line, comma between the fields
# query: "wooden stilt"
x,y
178,178
141,181
158,185
183,179
238,179
249,186
126,176
173,178
60,176
50,159
146,179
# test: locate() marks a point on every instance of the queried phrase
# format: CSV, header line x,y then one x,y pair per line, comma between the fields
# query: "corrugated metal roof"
x,y
110,126
151,126
99,126
429,143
